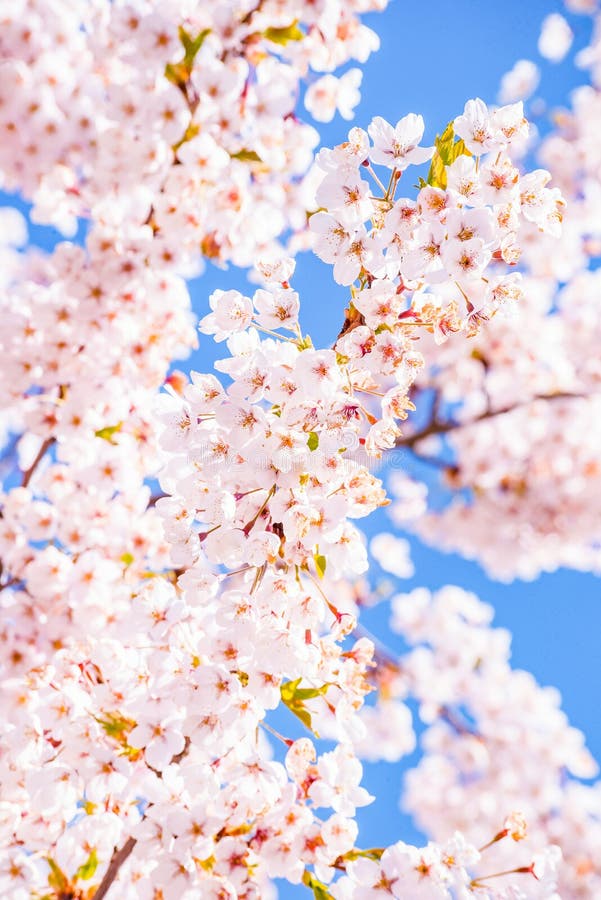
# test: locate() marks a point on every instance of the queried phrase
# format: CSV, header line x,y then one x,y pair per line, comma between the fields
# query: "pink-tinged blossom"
x,y
161,740
231,313
337,783
329,95
555,38
397,147
151,633
393,554
520,82
277,308
475,128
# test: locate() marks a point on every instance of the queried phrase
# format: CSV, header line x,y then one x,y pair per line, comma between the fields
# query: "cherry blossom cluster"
x,y
182,114
492,732
147,712
514,436
433,258
168,128
134,761
569,150
149,731
512,429
89,337
156,645
572,153
213,823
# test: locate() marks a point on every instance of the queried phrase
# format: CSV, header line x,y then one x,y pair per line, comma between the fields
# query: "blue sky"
x,y
433,58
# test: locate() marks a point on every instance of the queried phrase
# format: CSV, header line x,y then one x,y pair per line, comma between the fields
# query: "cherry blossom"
x,y
329,95
477,748
555,38
397,147
182,568
520,82
521,418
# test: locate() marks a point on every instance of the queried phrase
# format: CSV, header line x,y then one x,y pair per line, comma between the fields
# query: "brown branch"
x,y
11,581
460,727
117,860
179,756
27,476
119,856
436,426
249,15
153,499
436,462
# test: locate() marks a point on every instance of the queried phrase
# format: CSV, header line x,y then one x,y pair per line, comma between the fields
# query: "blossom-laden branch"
x,y
135,640
121,854
438,426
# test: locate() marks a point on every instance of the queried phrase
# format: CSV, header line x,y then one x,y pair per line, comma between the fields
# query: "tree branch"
x,y
436,426
117,860
11,581
153,499
119,856
27,476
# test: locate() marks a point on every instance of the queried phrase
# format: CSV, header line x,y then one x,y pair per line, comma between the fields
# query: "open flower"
x,y
398,147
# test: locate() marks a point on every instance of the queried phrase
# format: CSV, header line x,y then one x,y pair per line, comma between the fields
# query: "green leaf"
x,y
56,878
445,140
450,149
176,73
304,715
320,564
294,698
283,36
306,343
437,176
108,431
287,690
88,868
179,72
320,891
116,726
458,149
313,441
246,156
372,853
447,151
303,694
190,133
192,45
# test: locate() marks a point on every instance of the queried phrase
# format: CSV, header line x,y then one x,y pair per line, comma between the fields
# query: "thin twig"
x,y
28,475
460,727
11,581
